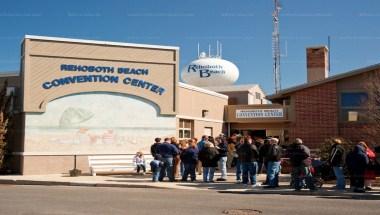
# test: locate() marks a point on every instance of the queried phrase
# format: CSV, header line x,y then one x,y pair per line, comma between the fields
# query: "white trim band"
x,y
108,43
199,119
202,90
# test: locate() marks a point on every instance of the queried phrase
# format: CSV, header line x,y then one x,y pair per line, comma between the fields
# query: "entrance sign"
x,y
260,113
53,68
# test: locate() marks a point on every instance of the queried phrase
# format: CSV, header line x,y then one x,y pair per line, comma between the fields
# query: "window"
x,y
258,96
353,99
185,129
352,106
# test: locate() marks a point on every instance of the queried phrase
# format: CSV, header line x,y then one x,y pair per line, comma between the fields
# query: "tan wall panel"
x,y
239,98
44,58
35,165
191,103
199,126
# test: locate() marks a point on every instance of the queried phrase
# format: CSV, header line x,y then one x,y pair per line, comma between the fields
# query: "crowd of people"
x,y
185,159
360,163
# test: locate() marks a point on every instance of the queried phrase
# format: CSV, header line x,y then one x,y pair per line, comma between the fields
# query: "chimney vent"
x,y
317,63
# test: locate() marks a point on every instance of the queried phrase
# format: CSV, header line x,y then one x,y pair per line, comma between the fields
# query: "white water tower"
x,y
207,70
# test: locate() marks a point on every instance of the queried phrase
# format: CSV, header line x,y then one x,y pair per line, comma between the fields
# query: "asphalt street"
x,y
52,200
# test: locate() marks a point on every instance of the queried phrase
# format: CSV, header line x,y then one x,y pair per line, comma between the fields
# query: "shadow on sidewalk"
x,y
321,193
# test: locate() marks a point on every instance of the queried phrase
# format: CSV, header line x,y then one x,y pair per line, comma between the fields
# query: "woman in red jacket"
x,y
369,174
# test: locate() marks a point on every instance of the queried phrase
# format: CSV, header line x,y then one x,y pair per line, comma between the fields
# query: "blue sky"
x,y
243,26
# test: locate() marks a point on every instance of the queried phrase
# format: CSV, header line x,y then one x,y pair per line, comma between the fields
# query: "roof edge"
x,y
99,42
202,90
350,73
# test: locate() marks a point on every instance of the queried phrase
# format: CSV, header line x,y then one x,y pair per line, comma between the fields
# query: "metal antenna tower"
x,y
276,46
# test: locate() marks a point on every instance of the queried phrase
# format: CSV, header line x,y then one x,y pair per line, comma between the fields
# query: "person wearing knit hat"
x,y
337,161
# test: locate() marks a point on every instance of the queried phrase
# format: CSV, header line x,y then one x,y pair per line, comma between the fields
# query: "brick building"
x,y
327,106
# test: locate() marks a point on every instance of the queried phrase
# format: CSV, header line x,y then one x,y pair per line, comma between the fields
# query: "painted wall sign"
x,y
53,68
112,79
260,113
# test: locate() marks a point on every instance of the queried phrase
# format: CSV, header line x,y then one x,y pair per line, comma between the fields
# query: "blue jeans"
x,y
156,173
340,180
189,169
208,174
249,170
223,167
238,170
272,173
259,167
167,169
182,168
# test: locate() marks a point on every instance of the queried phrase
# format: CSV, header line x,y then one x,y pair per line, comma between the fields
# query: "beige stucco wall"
x,y
192,100
57,164
199,128
43,57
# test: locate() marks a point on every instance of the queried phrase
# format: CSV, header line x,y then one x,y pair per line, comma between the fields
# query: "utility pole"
x,y
276,46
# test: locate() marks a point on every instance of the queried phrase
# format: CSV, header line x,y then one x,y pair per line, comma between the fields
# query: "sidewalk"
x,y
144,181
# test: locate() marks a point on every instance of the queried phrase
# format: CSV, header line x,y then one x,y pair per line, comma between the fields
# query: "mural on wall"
x,y
96,123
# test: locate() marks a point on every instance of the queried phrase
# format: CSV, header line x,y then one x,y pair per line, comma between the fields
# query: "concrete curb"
x,y
282,191
61,183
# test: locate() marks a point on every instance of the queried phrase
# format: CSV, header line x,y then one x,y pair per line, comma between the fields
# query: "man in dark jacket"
x,y
263,151
153,148
189,157
273,157
248,156
209,157
357,162
167,152
336,160
259,143
299,155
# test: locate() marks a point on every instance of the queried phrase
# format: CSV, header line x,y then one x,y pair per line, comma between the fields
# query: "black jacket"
x,y
297,153
209,157
337,155
263,151
222,148
153,149
274,153
248,153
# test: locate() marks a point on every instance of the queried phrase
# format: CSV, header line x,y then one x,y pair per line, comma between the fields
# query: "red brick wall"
x,y
316,114
356,132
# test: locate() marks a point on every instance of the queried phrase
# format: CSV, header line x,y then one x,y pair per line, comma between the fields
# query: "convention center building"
x,y
77,98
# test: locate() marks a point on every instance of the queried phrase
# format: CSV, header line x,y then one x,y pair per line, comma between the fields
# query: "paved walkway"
x,y
144,181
